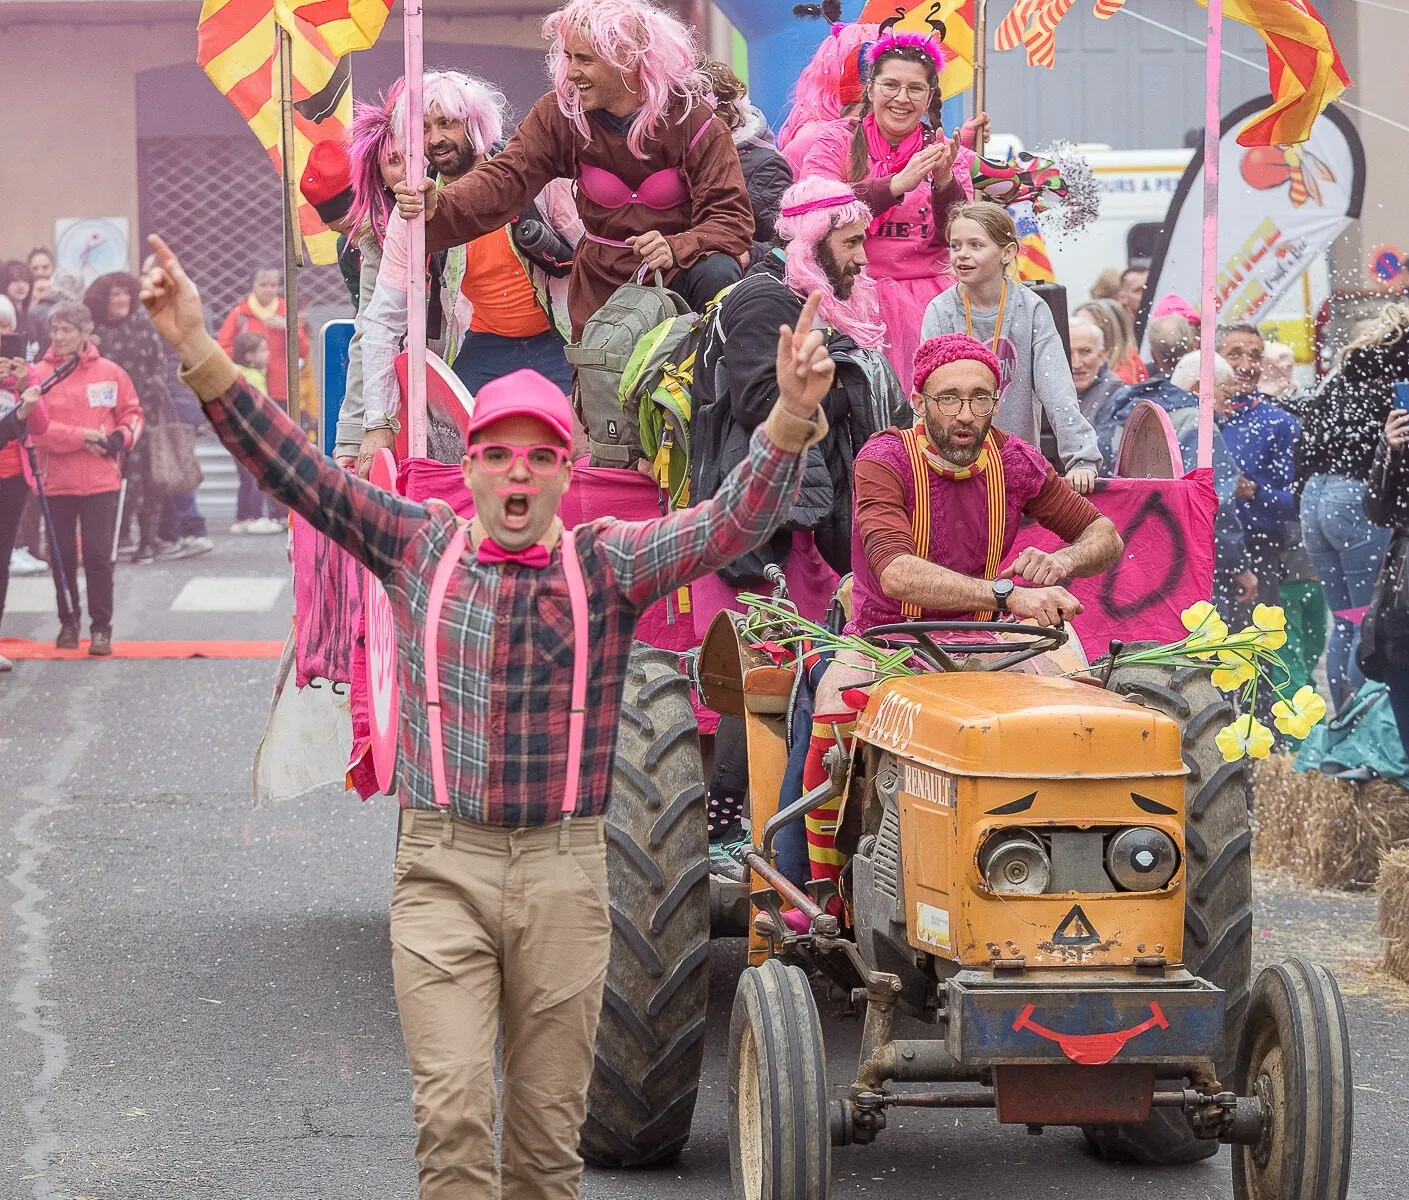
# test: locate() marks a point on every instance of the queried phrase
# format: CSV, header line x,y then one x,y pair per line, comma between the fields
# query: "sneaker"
x,y
243,527
127,547
22,562
268,525
192,547
143,555
166,549
68,636
5,664
101,645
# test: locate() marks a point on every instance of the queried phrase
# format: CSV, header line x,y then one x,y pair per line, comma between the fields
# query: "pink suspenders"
x,y
577,717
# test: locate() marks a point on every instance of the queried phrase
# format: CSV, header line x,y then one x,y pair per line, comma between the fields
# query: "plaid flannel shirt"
x,y
506,636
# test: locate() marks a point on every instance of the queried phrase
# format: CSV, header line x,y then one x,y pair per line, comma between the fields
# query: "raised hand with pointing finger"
x,y
805,368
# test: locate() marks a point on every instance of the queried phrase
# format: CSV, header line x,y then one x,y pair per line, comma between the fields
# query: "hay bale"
x,y
1280,811
1394,911
1325,832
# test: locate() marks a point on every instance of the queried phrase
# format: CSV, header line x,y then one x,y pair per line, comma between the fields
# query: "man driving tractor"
x,y
940,558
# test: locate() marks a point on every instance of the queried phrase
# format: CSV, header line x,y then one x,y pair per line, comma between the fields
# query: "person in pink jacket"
x,y
910,176
22,413
94,416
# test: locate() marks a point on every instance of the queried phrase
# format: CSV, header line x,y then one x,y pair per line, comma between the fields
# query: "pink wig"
x,y
631,36
371,138
812,209
892,42
839,66
460,97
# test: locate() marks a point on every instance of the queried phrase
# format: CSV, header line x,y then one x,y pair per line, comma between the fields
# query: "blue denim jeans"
x,y
1346,550
180,518
483,357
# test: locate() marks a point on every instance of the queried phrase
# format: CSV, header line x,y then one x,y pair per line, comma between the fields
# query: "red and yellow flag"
x,y
237,47
1303,67
346,25
951,21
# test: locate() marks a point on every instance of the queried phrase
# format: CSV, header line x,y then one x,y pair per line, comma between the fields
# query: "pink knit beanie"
x,y
948,348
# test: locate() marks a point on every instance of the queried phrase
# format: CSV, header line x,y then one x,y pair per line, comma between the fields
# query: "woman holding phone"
x,y
1384,649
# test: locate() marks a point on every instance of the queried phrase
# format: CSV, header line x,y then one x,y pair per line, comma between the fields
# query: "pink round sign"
x,y
384,694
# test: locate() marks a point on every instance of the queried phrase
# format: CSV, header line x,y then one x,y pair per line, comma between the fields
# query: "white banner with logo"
x,y
1279,210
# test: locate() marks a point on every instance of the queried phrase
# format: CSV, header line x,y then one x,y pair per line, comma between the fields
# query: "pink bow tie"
x,y
491,552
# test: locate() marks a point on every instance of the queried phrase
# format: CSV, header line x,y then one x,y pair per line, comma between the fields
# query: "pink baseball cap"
x,y
1173,305
524,393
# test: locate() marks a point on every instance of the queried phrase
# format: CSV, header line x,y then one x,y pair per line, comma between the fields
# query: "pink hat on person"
x,y
1171,305
524,393
952,347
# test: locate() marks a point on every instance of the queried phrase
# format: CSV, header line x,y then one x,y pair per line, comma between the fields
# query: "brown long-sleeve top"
x,y
715,218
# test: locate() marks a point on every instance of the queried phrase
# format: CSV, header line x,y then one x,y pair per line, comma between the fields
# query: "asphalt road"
x,y
199,994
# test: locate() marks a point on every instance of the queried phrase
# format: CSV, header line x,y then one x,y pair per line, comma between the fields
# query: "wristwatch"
x,y
1002,589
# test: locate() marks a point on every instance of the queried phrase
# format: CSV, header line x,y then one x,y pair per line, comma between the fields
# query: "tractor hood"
x,y
1008,725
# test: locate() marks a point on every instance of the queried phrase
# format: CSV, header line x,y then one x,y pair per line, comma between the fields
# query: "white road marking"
x,y
229,594
34,595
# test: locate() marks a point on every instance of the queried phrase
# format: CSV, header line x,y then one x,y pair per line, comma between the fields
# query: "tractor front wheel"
x,y
780,1141
650,1043
1294,1056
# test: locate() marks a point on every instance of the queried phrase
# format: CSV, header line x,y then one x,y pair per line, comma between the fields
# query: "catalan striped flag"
x,y
237,46
1303,66
1034,263
346,25
951,21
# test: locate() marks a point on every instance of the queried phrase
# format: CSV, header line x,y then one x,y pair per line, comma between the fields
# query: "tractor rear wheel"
x,y
650,1043
1218,885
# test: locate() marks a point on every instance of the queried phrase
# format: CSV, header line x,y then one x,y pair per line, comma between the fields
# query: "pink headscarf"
x,y
811,210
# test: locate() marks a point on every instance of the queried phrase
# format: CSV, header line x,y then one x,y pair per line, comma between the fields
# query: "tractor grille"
x,y
885,857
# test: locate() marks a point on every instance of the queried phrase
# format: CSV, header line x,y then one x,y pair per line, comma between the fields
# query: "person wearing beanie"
x,y
938,506
515,635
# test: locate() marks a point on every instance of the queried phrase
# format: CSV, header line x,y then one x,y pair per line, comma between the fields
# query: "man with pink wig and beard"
x,y
821,247
658,178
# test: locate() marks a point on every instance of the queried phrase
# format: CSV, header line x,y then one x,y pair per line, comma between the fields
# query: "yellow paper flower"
x,y
1271,622
1296,717
1237,672
1245,737
1196,616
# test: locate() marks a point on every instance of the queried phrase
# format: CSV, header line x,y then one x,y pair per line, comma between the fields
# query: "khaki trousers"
x,y
488,922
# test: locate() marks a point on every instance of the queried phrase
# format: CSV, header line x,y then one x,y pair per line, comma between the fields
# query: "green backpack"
x,y
656,386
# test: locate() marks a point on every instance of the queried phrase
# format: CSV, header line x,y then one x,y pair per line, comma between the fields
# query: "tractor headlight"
x,y
1141,859
1014,862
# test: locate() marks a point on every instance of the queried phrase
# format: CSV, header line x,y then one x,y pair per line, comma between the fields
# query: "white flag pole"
x,y
416,236
1213,76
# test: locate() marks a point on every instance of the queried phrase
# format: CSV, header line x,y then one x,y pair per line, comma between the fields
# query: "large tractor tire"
x,y
651,1040
1218,916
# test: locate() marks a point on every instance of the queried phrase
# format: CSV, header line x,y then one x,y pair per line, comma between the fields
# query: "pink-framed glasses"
x,y
498,458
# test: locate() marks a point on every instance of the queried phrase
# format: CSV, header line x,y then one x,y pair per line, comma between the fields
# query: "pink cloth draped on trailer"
x,y
1167,565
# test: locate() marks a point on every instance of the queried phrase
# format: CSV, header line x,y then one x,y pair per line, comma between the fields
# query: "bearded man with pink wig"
x,y
820,247
658,178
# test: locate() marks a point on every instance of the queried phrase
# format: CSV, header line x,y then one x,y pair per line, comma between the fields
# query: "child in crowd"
x,y
254,511
990,305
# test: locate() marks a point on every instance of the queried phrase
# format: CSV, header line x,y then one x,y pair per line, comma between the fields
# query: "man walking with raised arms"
x,y
513,636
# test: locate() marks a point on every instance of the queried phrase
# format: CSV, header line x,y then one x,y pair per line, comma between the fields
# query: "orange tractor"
x,y
1052,872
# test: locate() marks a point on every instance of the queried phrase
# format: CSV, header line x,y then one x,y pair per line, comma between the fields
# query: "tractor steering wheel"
x,y
1032,640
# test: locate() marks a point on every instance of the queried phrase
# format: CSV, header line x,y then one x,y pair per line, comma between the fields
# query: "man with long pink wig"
x,y
658,179
820,247
494,312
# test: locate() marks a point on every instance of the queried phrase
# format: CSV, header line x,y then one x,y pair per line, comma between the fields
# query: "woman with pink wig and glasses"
x,y
658,179
910,176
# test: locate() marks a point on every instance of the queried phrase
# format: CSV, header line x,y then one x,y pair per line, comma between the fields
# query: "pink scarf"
x,y
887,160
